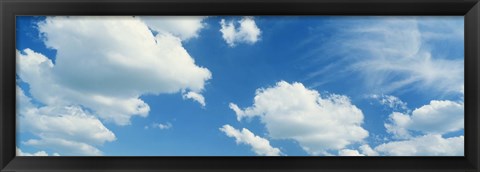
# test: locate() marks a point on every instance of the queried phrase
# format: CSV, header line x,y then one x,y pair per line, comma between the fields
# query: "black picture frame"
x,y
470,9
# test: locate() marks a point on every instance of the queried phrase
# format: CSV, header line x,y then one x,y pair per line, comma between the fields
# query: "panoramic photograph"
x,y
240,86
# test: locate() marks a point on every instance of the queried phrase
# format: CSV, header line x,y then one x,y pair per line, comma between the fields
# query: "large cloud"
x,y
319,124
259,145
106,64
68,130
247,32
438,117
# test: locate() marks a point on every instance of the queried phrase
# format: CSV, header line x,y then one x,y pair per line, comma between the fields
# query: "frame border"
x,y
470,9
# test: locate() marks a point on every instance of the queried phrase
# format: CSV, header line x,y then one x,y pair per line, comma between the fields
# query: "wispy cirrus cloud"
x,y
393,54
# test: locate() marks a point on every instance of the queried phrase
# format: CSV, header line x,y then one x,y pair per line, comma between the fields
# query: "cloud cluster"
x,y
101,68
318,124
247,32
426,145
106,64
259,145
68,130
421,132
438,117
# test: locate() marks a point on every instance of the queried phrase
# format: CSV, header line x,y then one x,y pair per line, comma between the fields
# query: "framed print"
x,y
239,85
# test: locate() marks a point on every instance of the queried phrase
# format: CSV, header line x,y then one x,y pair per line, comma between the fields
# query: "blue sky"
x,y
240,86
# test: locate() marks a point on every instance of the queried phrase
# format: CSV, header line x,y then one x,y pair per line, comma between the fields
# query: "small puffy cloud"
x,y
391,101
438,117
106,63
196,97
66,129
247,32
160,126
184,27
349,152
260,146
39,153
427,145
318,124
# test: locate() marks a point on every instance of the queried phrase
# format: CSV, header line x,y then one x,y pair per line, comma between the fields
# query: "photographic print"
x,y
240,85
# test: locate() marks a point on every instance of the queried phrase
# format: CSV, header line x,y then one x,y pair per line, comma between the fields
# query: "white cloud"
x,y
247,32
438,117
106,63
196,97
39,153
69,125
319,124
184,27
259,145
368,151
427,145
392,54
391,101
396,56
67,147
349,152
160,126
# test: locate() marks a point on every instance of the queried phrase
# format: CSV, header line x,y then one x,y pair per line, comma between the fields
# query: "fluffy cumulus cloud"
x,y
184,27
195,97
368,151
101,68
421,133
438,117
247,32
106,64
427,145
68,130
260,146
317,123
39,153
